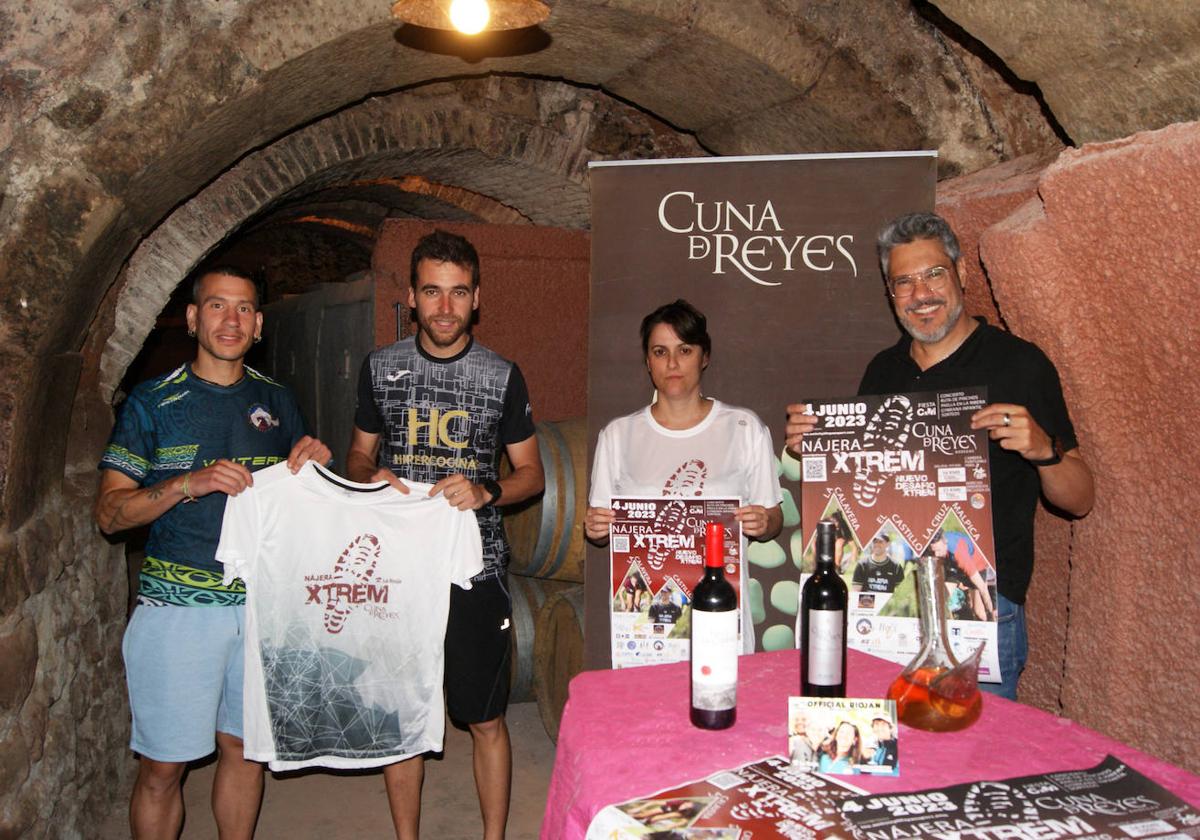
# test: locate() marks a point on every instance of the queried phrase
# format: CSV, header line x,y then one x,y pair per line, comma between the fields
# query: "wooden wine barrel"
x,y
546,533
558,653
528,595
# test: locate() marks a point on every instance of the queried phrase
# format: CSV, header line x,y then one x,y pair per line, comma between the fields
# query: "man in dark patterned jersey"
x,y
439,408
183,443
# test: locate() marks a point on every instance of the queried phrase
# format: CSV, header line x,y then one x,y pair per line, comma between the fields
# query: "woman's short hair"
x,y
688,322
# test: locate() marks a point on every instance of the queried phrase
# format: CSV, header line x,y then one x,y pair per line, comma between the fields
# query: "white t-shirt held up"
x,y
347,592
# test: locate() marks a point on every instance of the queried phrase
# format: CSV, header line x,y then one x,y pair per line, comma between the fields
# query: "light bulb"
x,y
469,16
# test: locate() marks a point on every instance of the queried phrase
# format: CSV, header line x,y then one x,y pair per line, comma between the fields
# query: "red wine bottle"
x,y
823,622
714,639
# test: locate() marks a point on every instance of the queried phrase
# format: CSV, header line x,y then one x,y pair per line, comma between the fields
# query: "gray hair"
x,y
915,226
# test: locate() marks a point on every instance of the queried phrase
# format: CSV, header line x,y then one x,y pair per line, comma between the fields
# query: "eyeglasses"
x,y
904,285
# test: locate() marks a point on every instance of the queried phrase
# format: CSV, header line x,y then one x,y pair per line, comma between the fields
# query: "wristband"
x,y
1056,454
493,488
187,494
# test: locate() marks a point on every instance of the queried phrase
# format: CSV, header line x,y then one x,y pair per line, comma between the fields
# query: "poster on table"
x,y
1110,800
902,474
763,799
656,551
779,253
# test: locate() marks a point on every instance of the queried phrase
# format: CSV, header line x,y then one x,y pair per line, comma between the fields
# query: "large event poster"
x,y
1105,802
772,800
656,550
779,253
902,474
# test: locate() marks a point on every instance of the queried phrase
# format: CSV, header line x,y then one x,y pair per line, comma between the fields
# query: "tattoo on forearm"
x,y
116,517
152,493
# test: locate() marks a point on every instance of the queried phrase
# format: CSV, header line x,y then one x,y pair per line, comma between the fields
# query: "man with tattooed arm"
x,y
183,443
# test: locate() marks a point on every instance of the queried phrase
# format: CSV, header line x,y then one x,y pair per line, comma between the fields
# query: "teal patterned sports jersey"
x,y
179,422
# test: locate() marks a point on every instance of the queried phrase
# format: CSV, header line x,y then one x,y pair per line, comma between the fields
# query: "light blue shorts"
x,y
183,667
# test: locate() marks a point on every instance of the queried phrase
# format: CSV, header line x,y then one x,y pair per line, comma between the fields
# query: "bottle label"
x,y
826,640
714,659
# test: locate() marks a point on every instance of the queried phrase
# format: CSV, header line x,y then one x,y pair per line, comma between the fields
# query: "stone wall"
x,y
1088,260
1105,70
972,204
62,696
106,134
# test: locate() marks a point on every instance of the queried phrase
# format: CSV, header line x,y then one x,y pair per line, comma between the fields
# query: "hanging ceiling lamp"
x,y
471,16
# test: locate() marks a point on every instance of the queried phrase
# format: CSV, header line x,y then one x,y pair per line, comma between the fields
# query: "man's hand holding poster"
x,y
656,550
903,474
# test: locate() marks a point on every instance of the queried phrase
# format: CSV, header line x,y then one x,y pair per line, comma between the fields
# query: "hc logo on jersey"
x,y
437,427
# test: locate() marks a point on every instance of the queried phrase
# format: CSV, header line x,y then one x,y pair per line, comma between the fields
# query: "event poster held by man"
x,y
183,443
1032,448
440,408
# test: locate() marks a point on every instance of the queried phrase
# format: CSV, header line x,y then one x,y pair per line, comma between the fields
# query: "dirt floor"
x,y
340,806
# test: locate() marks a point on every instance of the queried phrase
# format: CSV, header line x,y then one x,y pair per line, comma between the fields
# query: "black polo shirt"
x,y
1013,371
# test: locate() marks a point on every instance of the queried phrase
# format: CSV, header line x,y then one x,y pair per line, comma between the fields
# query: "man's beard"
x,y
941,332
436,338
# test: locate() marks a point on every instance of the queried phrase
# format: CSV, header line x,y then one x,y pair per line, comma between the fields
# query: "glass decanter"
x,y
936,692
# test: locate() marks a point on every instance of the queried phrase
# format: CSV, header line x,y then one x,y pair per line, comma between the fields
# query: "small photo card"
x,y
847,736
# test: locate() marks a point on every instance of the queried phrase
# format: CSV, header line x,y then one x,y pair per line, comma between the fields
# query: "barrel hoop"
x,y
567,489
546,445
524,617
549,525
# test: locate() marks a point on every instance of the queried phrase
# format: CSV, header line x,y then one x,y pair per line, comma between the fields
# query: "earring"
x,y
257,339
191,333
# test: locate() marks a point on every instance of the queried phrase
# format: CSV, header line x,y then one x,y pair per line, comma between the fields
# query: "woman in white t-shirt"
x,y
686,444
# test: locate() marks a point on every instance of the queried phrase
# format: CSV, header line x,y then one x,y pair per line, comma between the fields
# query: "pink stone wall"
x,y
972,204
1099,268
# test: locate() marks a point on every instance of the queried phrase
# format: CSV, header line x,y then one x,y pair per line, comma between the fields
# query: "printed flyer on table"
x,y
656,551
763,799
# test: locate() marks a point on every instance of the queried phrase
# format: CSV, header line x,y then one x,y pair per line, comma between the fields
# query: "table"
x,y
626,734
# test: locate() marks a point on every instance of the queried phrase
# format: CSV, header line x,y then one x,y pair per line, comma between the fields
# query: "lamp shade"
x,y
505,14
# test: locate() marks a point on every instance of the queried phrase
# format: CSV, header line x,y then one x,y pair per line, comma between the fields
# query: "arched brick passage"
x,y
433,136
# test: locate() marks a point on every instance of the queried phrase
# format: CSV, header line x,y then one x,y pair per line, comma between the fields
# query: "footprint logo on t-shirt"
x,y
687,480
356,565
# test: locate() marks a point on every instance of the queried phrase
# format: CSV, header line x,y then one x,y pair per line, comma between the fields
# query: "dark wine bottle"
x,y
714,639
823,622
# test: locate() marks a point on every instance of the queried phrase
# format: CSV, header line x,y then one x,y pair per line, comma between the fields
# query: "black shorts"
x,y
478,651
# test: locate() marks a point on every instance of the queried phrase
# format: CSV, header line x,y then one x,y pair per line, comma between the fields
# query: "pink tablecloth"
x,y
626,733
